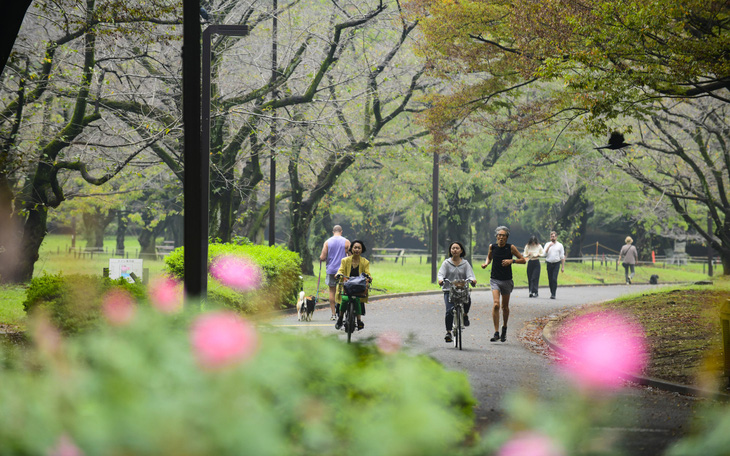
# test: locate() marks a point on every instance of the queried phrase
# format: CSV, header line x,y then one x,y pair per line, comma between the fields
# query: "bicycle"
x,y
459,295
349,320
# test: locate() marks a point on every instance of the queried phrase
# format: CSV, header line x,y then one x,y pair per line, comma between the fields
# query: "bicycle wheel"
x,y
350,325
457,327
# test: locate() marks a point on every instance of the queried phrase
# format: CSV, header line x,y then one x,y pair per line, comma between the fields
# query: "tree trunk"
x,y
146,238
458,226
572,222
483,236
121,232
34,232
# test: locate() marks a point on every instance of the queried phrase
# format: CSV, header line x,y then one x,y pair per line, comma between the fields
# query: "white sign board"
x,y
120,267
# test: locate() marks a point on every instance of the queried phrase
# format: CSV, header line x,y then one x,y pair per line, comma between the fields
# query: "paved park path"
x,y
494,369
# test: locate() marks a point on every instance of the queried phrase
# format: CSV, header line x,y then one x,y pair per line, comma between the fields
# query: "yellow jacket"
x,y
346,268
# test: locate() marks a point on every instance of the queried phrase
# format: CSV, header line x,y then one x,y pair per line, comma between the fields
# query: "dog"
x,y
305,307
654,279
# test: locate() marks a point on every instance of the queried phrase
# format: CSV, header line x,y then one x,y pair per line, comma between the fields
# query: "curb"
x,y
549,333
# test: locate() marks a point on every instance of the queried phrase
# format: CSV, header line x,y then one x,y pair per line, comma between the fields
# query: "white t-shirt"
x,y
555,253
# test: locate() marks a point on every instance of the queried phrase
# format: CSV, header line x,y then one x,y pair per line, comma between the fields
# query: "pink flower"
x,y
118,307
221,339
166,295
389,342
530,444
65,447
236,272
601,346
46,336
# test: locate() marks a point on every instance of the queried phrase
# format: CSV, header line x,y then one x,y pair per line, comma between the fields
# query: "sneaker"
x,y
495,338
466,320
628,281
504,334
448,339
532,295
552,296
338,325
360,325
333,317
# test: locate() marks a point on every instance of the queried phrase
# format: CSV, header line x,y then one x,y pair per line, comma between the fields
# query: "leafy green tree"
x,y
55,75
682,154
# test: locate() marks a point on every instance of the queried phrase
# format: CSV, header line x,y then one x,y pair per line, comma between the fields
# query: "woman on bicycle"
x,y
455,268
353,266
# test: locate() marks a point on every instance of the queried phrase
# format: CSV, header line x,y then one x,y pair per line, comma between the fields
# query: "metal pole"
x,y
196,242
272,183
196,213
435,219
709,246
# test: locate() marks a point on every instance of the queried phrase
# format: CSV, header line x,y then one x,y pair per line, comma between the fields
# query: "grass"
x,y
683,330
415,275
55,257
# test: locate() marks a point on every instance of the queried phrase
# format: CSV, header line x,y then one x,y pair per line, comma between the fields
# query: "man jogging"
x,y
501,279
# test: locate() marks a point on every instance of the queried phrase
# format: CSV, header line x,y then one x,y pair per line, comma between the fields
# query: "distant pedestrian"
x,y
631,256
554,261
500,281
455,268
533,252
333,251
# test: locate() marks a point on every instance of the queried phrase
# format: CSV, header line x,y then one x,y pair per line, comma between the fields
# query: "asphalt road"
x,y
651,419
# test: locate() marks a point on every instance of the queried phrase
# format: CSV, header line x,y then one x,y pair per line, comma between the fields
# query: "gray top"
x,y
629,254
453,272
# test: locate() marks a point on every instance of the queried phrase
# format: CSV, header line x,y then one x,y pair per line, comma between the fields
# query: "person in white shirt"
x,y
554,258
533,252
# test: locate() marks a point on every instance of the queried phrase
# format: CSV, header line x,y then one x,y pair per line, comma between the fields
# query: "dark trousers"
x,y
450,311
533,275
552,270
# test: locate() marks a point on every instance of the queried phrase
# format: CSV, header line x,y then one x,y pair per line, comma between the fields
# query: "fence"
x,y
596,261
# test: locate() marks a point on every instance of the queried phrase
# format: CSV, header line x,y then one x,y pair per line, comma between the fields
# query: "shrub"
x,y
140,390
73,302
281,271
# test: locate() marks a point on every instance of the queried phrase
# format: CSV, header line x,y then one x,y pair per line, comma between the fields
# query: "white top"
x,y
554,252
533,252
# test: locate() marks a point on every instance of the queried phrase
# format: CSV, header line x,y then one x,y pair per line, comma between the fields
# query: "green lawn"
x,y
415,275
389,277
55,257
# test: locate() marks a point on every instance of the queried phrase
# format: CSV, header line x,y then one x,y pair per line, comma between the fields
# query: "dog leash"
x,y
316,300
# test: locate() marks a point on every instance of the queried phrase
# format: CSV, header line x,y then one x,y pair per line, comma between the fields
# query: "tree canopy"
x,y
609,57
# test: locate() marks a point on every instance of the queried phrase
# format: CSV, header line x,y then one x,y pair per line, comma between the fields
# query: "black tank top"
x,y
500,272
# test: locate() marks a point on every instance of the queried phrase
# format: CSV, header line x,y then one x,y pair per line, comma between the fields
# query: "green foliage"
x,y
73,302
138,390
281,270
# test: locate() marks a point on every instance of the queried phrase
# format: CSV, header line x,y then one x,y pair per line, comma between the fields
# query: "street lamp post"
x,y
435,218
197,153
196,245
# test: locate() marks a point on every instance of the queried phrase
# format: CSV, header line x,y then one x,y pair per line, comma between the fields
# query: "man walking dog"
x,y
333,251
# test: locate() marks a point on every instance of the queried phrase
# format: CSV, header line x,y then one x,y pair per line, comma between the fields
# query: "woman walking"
x,y
630,256
533,252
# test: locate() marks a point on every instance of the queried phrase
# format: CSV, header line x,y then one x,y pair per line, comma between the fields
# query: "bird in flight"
x,y
615,142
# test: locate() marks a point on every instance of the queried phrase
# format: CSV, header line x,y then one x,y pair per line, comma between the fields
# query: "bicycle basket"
x,y
356,285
